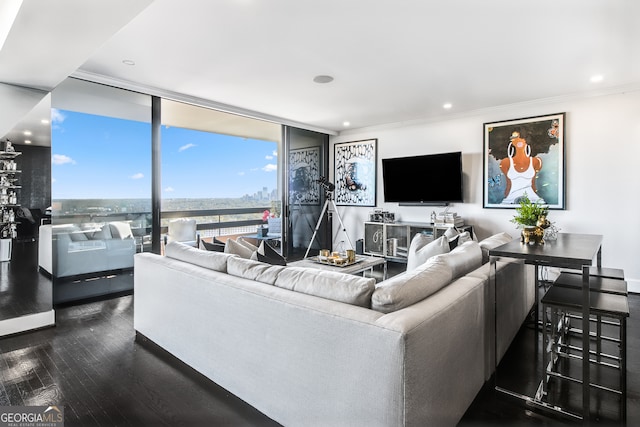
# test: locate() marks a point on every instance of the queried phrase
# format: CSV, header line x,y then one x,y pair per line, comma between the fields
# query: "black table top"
x,y
569,250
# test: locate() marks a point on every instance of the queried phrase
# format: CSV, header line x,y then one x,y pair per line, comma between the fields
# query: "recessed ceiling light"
x,y
27,141
346,124
27,133
128,62
323,79
44,121
597,78
447,106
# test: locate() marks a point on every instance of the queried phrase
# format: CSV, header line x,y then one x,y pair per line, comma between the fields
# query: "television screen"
x,y
428,179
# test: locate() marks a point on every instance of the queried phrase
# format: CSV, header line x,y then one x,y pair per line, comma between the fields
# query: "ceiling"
x,y
391,61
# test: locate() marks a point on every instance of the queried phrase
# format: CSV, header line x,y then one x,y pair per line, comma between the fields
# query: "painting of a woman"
x,y
524,156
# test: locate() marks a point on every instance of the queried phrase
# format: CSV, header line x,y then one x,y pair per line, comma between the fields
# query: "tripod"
x,y
329,204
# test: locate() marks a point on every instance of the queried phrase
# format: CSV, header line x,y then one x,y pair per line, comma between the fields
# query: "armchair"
x,y
183,230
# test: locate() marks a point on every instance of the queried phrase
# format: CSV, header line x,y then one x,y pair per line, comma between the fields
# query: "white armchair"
x,y
183,230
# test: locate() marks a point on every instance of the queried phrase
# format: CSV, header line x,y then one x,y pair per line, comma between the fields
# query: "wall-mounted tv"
x,y
433,179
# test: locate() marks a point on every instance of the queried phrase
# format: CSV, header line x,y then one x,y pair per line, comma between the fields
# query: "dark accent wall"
x,y
35,179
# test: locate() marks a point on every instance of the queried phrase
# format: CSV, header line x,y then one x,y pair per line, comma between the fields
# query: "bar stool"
x,y
610,273
607,280
561,301
599,281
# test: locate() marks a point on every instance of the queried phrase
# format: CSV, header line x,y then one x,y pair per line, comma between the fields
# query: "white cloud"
x,y
169,190
241,173
275,153
53,180
138,175
57,116
61,159
270,167
186,147
268,157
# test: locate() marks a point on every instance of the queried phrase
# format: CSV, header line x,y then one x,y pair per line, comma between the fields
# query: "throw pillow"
x,y
76,234
410,287
463,259
493,242
253,270
103,234
422,248
266,253
459,239
233,247
120,230
217,247
331,285
212,260
244,242
451,233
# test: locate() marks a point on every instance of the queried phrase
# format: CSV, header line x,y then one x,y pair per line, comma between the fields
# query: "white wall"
x,y
602,161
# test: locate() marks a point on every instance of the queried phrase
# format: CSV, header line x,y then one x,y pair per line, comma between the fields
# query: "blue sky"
x,y
102,157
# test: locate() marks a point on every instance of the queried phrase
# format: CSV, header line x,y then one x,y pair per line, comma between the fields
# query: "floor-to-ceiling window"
x,y
101,187
123,161
221,169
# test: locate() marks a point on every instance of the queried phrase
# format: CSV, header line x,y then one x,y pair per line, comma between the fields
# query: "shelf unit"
x,y
8,200
392,240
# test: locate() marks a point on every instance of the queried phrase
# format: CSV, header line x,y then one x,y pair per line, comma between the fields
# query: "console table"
x,y
572,251
392,239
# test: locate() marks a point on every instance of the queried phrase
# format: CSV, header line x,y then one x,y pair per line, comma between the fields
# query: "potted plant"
x,y
528,215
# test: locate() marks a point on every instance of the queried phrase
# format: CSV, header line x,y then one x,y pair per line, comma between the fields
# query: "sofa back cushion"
x,y
253,270
212,260
463,259
331,285
493,242
412,286
422,248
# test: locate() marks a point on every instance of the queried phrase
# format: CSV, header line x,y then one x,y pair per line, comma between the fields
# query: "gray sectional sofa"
x,y
314,348
75,249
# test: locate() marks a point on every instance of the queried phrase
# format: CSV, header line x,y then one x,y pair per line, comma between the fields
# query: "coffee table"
x,y
363,264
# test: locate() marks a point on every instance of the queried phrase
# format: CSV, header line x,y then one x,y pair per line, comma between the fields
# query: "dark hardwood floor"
x,y
91,364
23,290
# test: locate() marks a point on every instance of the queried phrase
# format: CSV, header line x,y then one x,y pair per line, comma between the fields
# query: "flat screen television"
x,y
433,179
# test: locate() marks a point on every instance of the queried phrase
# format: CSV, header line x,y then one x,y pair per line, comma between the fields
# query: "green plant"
x,y
529,212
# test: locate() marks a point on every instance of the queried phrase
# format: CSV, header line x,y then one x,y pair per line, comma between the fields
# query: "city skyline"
x,y
103,157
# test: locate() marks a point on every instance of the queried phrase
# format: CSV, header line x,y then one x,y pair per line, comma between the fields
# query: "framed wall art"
x,y
524,156
304,173
355,173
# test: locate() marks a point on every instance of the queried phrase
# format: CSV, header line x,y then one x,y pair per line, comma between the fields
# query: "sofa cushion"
x,y
212,260
235,248
412,286
253,270
493,242
463,259
120,230
331,285
422,248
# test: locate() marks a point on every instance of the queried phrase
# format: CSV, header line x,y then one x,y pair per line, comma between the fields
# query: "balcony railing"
x,y
211,220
